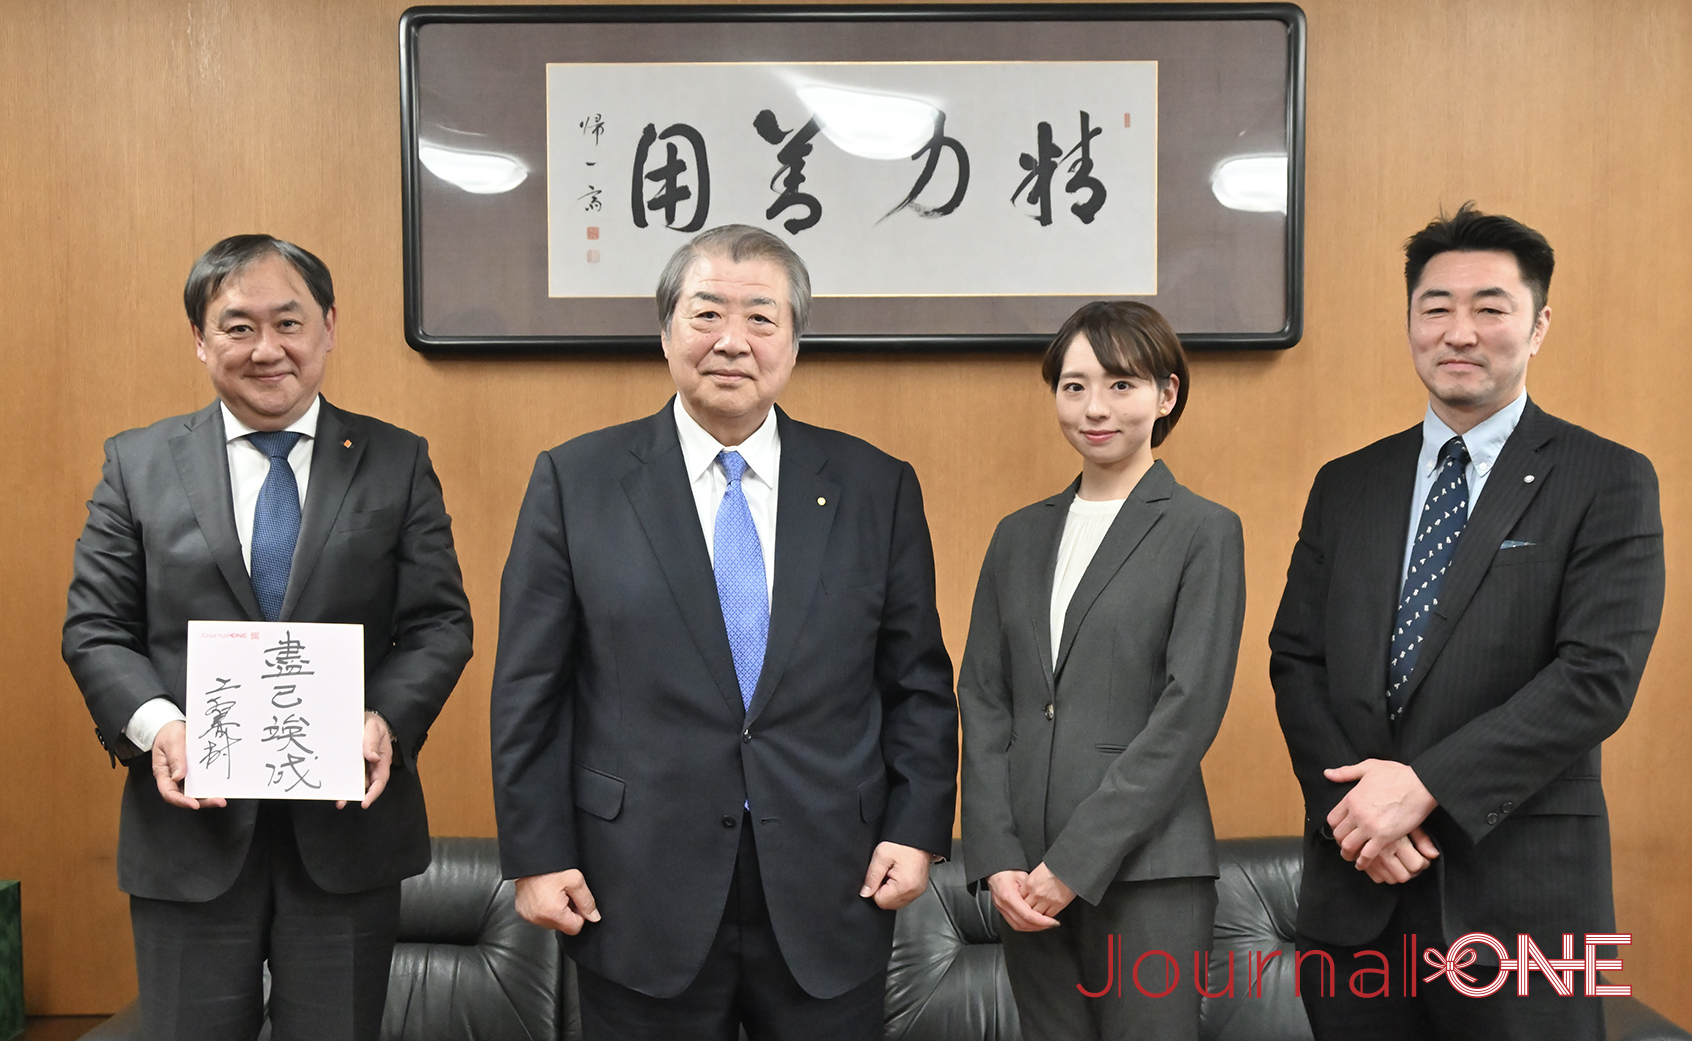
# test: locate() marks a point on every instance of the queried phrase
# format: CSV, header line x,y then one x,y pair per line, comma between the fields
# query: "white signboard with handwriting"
x,y
275,710
890,178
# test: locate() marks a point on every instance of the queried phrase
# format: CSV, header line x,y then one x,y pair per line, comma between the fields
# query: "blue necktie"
x,y
739,564
1441,523
276,521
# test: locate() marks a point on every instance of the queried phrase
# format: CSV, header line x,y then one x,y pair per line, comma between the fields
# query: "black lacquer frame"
x,y
1290,16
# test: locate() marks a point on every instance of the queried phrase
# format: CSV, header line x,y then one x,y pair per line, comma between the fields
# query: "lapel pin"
x,y
1528,479
348,444
821,501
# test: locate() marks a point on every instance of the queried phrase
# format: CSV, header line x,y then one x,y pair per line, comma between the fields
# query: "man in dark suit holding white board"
x,y
1469,608
268,504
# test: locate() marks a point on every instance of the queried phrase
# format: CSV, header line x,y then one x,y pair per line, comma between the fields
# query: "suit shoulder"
x,y
1594,450
161,431
848,456
1209,523
1205,511
597,446
840,443
1373,457
1033,513
372,429
1016,526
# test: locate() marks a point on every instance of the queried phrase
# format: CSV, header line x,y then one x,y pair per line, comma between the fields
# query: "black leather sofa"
x,y
468,968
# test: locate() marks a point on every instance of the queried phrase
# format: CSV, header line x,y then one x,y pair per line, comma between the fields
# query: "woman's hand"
x,y
1045,892
1008,888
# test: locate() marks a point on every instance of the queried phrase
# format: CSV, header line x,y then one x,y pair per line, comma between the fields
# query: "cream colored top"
x,y
1083,530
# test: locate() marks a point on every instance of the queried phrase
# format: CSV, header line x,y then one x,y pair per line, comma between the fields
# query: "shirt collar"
x,y
1484,440
234,429
700,449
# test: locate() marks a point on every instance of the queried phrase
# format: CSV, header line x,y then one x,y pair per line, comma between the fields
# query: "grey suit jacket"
x,y
620,743
1093,766
160,548
1546,615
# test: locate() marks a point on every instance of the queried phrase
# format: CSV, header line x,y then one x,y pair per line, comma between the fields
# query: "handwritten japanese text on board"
x,y
275,710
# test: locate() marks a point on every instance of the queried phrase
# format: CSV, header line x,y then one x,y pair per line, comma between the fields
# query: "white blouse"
x,y
1083,530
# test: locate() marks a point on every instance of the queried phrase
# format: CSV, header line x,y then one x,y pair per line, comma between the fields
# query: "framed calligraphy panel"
x,y
956,178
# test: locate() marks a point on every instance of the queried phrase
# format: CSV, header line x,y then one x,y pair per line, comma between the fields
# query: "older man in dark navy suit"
x,y
724,733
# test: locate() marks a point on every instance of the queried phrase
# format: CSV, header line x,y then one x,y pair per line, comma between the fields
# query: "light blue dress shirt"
x,y
1484,441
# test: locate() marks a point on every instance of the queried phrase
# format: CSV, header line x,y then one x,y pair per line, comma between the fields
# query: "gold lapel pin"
x,y
347,443
821,501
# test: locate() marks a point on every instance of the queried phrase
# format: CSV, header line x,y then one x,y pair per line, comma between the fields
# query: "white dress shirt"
x,y
762,452
248,467
1083,530
1484,441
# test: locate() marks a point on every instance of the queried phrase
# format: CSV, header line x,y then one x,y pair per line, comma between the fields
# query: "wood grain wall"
x,y
133,134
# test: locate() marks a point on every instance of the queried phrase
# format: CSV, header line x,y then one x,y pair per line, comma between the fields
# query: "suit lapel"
x,y
1503,499
1042,558
1143,509
202,463
806,503
662,499
333,464
1382,527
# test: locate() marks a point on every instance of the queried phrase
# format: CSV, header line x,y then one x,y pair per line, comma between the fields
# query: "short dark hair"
x,y
239,252
1471,231
1129,339
737,242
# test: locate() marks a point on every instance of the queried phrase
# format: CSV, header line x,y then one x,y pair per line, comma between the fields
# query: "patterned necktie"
x,y
276,521
739,564
1441,523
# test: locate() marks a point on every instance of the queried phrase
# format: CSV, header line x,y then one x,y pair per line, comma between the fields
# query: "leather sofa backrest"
x,y
947,978
466,966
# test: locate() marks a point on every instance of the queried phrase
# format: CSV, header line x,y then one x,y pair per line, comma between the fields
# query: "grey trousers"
x,y
201,965
1097,948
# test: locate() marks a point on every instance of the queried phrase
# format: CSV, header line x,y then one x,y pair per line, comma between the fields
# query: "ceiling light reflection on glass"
x,y
480,173
874,126
1252,183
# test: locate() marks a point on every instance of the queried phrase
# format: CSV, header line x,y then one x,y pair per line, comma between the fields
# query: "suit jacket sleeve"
x,y
1298,668
919,727
1142,783
531,711
1607,616
431,634
105,634
984,699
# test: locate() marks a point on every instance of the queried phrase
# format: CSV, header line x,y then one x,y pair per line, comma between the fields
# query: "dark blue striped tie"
x,y
276,521
1437,531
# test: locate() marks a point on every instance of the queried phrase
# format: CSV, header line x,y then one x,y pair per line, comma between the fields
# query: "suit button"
x,y
746,737
1509,806
728,821
1492,818
1050,710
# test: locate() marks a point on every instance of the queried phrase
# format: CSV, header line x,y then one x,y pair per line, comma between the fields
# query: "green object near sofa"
x,y
11,962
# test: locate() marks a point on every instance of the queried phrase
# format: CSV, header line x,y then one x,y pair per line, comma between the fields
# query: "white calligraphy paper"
x,y
890,178
275,710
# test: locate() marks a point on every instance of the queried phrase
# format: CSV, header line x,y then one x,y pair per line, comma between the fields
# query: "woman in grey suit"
x,y
1101,653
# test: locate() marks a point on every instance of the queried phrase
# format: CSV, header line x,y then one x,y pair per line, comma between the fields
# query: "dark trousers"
x,y
1437,1011
201,965
744,982
1097,947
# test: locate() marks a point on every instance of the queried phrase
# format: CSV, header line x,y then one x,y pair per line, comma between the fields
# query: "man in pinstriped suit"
x,y
1467,613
